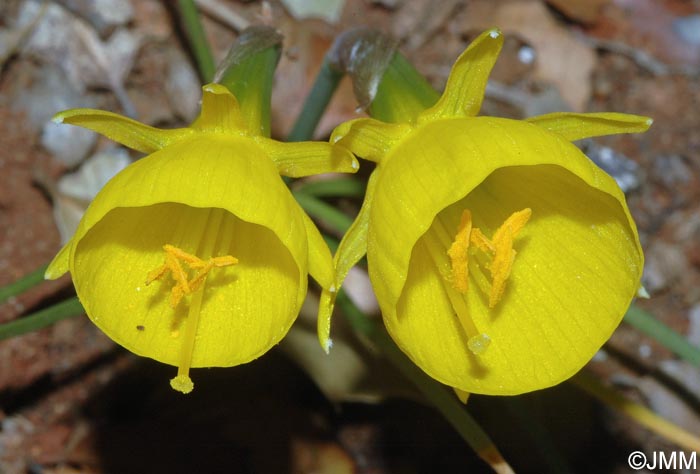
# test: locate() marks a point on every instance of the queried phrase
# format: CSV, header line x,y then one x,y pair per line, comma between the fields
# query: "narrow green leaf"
x,y
316,102
324,212
23,284
197,39
35,321
664,335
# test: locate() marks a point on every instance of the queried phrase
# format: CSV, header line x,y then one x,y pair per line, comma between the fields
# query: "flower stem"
x,y
646,323
40,319
197,39
248,72
403,93
316,102
23,284
642,415
443,400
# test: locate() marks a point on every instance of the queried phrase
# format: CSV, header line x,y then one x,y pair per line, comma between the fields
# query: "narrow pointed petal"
x,y
320,259
60,263
466,85
298,159
352,248
461,395
220,111
128,132
579,126
368,138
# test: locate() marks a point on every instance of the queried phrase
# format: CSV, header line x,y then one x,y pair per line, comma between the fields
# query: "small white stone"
x,y
645,351
526,55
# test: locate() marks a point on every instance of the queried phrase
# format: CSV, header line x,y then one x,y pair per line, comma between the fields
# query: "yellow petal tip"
x,y
217,89
327,345
49,274
643,293
58,118
182,383
494,33
461,395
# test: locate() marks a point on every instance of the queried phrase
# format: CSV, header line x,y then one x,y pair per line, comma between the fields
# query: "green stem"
x,y
443,400
197,39
340,187
248,72
45,317
664,335
316,102
26,282
324,212
403,93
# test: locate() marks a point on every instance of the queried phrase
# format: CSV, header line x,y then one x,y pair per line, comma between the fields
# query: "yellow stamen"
x,y
201,275
184,286
500,248
514,224
501,265
434,241
459,253
504,254
481,242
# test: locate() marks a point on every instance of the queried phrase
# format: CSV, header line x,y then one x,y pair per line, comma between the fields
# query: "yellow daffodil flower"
x,y
197,255
501,256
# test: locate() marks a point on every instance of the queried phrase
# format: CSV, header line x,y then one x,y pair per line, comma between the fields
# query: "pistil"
x,y
184,285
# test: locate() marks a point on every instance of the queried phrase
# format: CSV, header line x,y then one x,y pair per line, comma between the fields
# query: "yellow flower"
x,y
501,256
197,255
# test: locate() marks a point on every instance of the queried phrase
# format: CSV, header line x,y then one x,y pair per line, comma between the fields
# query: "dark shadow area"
x,y
245,420
237,420
556,430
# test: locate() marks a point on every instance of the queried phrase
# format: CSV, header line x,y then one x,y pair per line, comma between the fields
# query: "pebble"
x,y
624,171
671,170
665,264
688,28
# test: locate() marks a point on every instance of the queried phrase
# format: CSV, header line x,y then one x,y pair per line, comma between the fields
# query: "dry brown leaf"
x,y
418,20
562,59
582,11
